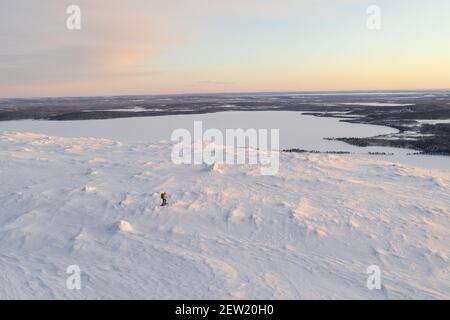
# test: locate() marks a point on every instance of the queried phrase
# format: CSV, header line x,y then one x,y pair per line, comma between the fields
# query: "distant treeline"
x,y
438,144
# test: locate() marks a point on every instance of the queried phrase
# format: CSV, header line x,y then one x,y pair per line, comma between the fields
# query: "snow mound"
x,y
303,210
125,226
89,189
92,172
128,200
74,149
222,269
215,167
236,214
97,160
82,236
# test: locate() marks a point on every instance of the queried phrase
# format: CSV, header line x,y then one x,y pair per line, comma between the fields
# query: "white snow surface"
x,y
309,232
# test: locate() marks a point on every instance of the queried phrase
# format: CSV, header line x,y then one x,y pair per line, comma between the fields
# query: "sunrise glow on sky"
x,y
193,46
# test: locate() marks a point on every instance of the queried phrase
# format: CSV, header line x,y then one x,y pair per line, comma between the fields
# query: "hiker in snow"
x,y
164,198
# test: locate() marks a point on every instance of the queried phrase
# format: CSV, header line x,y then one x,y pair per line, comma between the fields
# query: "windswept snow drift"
x,y
310,231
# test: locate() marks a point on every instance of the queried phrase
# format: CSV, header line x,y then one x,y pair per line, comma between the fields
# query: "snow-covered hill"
x,y
310,231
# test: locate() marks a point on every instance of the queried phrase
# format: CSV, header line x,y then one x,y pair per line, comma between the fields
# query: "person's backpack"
x,y
162,195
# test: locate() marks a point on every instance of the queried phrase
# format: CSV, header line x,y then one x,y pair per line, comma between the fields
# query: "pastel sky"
x,y
193,46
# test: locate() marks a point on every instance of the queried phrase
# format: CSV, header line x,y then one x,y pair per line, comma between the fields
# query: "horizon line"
x,y
232,93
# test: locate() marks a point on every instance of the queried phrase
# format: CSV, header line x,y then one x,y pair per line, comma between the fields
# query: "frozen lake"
x,y
296,131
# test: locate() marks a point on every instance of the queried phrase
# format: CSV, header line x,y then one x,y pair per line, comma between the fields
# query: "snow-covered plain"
x,y
296,131
310,231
